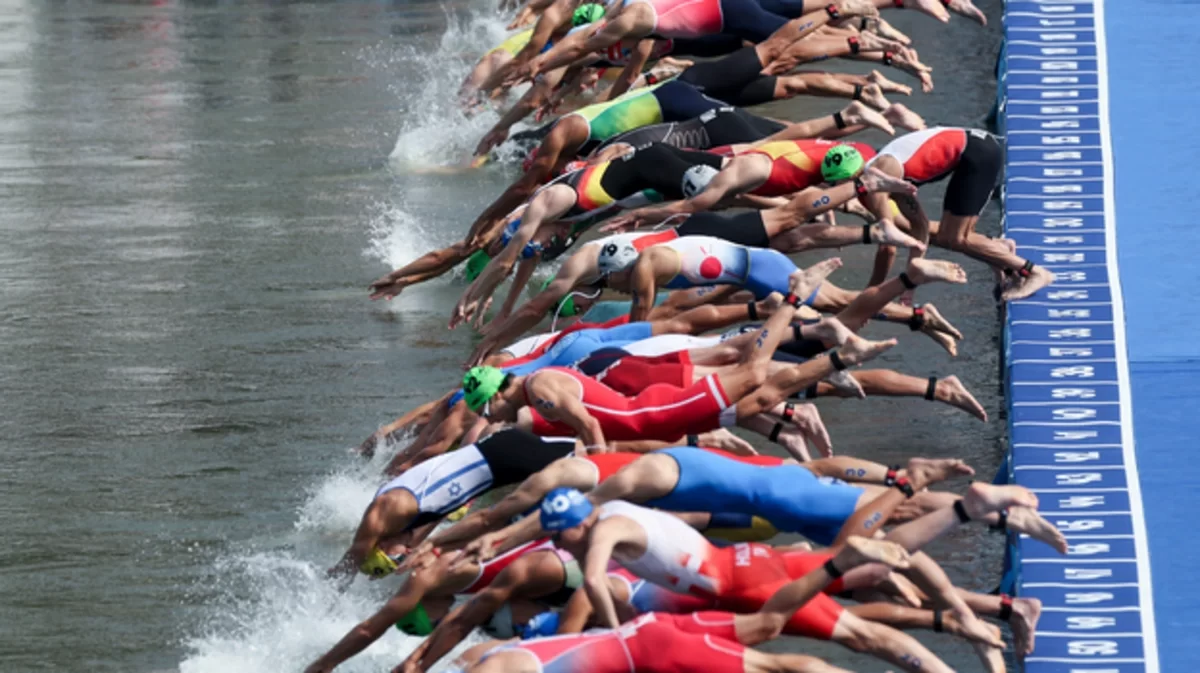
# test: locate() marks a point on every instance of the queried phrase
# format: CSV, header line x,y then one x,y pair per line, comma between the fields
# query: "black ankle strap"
x,y
931,389
836,361
961,511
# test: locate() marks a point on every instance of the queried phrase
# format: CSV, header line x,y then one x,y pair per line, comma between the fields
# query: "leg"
x,y
907,618
820,84
762,662
888,383
512,661
886,643
651,476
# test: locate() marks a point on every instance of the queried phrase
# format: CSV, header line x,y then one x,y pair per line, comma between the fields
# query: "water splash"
x,y
436,131
275,611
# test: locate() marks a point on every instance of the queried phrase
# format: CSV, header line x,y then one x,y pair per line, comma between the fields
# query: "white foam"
x,y
436,131
275,609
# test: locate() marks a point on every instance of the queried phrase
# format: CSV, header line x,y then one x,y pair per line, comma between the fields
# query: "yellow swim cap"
x,y
378,564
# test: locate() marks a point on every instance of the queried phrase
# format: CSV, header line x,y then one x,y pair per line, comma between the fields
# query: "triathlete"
x,y
666,643
407,508
565,402
972,159
663,643
650,173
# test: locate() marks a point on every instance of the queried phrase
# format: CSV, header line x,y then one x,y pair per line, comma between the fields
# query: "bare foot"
x,y
846,385
887,85
885,29
830,331
858,113
1023,622
951,391
871,42
859,210
794,443
947,342
858,350
925,471
1026,520
726,441
808,421
908,62
975,629
933,8
998,273
802,282
935,321
992,658
965,8
872,95
885,232
876,180
1037,279
982,499
858,8
990,633
901,116
922,271
860,551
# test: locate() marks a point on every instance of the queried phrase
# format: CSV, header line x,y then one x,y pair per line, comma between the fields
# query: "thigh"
x,y
974,178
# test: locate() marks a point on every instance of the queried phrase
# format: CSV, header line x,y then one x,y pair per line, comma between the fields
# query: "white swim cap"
x,y
615,256
695,179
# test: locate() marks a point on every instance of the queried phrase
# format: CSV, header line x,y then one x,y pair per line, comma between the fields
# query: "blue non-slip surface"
x,y
1118,496
1152,52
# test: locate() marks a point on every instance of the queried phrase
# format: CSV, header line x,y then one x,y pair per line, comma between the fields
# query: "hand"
x,y
493,138
463,310
482,351
386,287
483,548
621,223
318,667
368,446
481,314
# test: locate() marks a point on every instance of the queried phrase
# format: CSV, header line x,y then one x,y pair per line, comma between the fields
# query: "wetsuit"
x,y
652,643
740,578
669,101
972,158
795,164
444,483
704,260
745,19
789,496
715,128
657,412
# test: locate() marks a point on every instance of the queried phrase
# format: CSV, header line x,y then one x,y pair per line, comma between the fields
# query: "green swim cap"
x,y
587,13
566,307
476,264
842,162
481,384
416,623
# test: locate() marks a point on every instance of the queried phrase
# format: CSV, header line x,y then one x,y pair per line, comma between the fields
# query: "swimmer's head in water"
x,y
616,256
481,384
696,179
841,162
564,508
416,622
587,13
566,307
378,564
476,263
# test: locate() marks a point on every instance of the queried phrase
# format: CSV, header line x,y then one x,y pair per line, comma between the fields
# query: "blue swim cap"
x,y
564,508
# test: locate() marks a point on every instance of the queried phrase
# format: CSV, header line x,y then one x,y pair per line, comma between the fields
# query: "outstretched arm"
x,y
632,70
643,287
602,540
